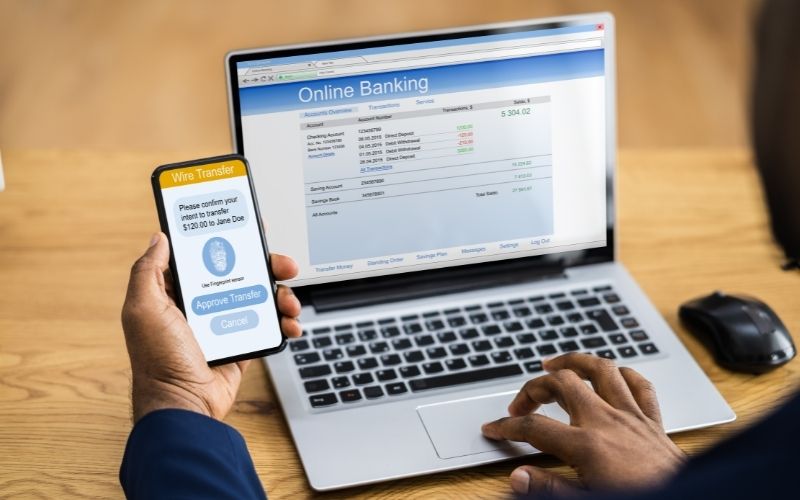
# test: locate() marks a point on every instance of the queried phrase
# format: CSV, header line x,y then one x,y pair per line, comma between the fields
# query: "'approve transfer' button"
x,y
232,299
234,322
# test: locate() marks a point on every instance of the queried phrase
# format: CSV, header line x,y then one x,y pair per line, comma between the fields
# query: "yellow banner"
x,y
201,173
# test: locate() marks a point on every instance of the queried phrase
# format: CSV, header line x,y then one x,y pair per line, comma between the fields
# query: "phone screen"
x,y
219,258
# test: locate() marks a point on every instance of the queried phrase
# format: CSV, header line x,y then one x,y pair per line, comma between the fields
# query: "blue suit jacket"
x,y
180,454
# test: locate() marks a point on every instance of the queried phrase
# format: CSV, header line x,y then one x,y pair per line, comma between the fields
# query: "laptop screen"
x,y
405,155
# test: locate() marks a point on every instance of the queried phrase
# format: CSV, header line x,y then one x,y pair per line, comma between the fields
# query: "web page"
x,y
484,152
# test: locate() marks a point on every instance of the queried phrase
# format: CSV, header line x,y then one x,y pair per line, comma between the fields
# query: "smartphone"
x,y
219,258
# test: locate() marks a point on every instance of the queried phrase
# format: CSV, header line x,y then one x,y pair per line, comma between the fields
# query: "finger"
x,y
287,302
528,479
291,327
563,387
283,267
644,392
147,274
602,373
542,432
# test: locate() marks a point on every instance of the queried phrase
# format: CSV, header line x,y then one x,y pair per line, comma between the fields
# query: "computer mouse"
x,y
742,333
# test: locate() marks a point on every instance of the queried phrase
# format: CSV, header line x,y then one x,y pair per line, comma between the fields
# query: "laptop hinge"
x,y
430,284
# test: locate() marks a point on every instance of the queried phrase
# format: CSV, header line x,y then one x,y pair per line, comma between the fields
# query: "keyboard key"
x,y
424,340
306,359
455,364
526,338
344,366
543,308
638,335
569,346
349,395
452,311
557,295
456,321
401,344
602,288
363,378
459,349
340,382
436,352
321,330
322,342
648,348
513,326
390,331
495,304
373,392
481,345
317,386
435,324
537,298
611,298
433,367
386,375
390,359
565,305
332,354
606,353
580,291
320,400
569,331
386,321
364,324
617,338
474,307
501,357
315,371
445,337
500,315
620,310
343,327
535,323
479,318
367,335
469,333
555,320
588,329
367,363
413,356
626,352
478,360
593,342
409,371
410,317
430,314
355,350
548,335
378,347
412,328
491,330
504,342
465,377
515,302
546,349
396,388
522,312
298,345
345,338
589,302
629,322
533,366
603,319
574,317
524,353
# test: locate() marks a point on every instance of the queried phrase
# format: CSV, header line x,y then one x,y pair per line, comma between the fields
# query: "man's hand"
x,y
168,367
615,439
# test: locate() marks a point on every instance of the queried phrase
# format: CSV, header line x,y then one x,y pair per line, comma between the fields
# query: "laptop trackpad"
x,y
454,427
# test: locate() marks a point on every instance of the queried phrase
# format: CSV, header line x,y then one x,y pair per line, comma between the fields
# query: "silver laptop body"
x,y
408,349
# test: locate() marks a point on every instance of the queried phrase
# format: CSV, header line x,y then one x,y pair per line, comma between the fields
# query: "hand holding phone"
x,y
219,258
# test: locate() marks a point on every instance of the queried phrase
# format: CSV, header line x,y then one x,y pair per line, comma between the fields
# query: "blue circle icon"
x,y
218,256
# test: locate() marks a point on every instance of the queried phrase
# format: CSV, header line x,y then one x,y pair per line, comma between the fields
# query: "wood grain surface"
x,y
72,222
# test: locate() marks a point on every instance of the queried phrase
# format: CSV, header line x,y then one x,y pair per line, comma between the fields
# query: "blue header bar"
x,y
420,82
419,46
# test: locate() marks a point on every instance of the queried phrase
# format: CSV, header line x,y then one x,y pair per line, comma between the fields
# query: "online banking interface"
x,y
406,157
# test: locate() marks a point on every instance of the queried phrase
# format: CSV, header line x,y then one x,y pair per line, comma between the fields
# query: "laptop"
x,y
449,197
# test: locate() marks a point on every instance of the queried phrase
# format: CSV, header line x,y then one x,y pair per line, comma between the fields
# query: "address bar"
x,y
460,58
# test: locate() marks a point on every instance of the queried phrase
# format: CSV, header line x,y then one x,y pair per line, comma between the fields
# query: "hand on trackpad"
x,y
454,427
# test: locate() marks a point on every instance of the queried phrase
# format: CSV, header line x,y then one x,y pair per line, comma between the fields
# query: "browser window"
x,y
407,157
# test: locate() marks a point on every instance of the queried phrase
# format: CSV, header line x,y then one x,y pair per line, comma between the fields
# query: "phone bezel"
x,y
162,219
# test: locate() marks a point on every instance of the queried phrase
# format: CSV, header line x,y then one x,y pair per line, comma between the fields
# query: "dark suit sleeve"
x,y
182,454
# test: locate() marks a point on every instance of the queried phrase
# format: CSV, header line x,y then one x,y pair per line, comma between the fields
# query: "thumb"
x,y
147,274
528,479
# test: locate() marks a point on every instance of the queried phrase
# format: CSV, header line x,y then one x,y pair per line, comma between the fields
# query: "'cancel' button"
x,y
236,322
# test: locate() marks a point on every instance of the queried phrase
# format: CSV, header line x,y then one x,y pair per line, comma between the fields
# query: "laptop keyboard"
x,y
344,363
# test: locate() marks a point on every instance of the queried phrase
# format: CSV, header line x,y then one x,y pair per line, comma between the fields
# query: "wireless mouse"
x,y
742,333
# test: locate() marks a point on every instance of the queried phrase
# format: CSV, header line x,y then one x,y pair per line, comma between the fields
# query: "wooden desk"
x,y
71,224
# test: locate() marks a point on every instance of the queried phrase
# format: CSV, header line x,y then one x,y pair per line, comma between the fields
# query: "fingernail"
x,y
486,430
520,481
154,239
